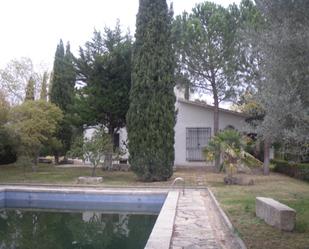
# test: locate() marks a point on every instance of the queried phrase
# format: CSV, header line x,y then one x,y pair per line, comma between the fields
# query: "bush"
x,y
7,147
297,170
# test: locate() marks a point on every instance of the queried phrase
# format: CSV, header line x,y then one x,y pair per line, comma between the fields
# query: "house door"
x,y
196,140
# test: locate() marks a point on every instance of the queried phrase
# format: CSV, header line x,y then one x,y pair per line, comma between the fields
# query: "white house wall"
x,y
194,116
190,115
123,136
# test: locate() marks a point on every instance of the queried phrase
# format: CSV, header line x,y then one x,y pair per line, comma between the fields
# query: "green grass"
x,y
239,204
49,174
237,201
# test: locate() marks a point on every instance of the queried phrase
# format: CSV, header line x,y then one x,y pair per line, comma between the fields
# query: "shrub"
x,y
297,170
7,147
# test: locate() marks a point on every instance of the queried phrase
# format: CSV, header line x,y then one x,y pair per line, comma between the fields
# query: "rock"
x,y
89,180
275,213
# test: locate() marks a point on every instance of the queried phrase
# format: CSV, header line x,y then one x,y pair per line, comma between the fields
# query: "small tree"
x,y
92,149
33,123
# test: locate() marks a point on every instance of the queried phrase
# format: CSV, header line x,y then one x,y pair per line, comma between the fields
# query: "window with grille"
x,y
196,140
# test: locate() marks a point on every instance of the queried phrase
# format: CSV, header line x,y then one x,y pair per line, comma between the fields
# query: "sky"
x,y
33,28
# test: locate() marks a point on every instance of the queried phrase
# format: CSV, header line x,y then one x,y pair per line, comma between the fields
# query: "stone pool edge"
x,y
226,220
162,231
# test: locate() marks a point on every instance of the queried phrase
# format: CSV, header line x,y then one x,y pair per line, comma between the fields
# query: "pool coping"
x,y
162,231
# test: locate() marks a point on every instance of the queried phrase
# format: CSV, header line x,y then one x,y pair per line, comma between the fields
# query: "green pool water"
x,y
35,229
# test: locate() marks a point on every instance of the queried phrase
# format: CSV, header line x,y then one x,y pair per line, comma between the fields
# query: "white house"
x,y
193,129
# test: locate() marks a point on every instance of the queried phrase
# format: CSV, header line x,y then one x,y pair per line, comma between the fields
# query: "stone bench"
x,y
89,180
275,213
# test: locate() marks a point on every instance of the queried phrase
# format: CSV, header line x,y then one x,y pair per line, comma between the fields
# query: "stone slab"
x,y
275,213
89,180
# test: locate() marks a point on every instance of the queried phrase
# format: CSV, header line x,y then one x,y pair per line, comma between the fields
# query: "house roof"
x,y
210,107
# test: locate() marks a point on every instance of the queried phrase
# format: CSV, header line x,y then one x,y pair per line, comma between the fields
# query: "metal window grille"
x,y
196,140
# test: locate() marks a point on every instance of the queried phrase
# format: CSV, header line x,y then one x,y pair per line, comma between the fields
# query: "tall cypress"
x,y
30,89
43,93
151,115
62,87
61,93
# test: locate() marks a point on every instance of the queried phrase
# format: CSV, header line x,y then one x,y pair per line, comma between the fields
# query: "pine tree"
x,y
105,68
30,89
151,116
43,94
61,93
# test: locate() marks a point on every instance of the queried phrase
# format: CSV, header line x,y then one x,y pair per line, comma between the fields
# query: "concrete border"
x,y
161,235
226,220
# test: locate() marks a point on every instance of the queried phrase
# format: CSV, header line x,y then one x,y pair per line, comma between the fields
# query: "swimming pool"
x,y
78,218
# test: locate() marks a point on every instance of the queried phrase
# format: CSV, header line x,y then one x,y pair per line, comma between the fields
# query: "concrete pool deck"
x,y
190,221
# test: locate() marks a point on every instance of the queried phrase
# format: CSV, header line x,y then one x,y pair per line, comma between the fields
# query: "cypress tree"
x,y
62,92
43,94
151,115
30,89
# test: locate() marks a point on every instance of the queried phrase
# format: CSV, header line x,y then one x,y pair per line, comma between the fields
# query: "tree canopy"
x,y
14,78
104,70
33,123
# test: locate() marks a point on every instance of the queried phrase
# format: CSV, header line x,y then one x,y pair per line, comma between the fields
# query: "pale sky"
x,y
33,28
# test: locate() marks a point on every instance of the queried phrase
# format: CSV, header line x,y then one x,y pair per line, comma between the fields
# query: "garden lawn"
x,y
237,201
49,174
239,204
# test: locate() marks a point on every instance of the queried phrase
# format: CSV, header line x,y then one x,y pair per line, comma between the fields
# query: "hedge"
x,y
296,170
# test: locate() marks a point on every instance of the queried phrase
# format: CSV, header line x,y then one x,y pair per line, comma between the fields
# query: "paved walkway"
x,y
198,224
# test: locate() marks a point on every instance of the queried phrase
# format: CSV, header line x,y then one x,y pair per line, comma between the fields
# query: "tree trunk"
x,y
93,170
108,160
216,115
266,156
216,127
56,159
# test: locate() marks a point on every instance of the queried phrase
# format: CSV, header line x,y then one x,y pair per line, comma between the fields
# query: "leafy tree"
x,y
61,94
104,67
14,79
93,149
151,116
282,82
205,42
7,142
43,93
205,46
30,89
7,146
4,108
33,123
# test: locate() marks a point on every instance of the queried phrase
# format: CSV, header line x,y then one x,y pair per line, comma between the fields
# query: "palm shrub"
x,y
230,146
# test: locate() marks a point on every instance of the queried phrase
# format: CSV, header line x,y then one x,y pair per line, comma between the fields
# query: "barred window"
x,y
196,140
